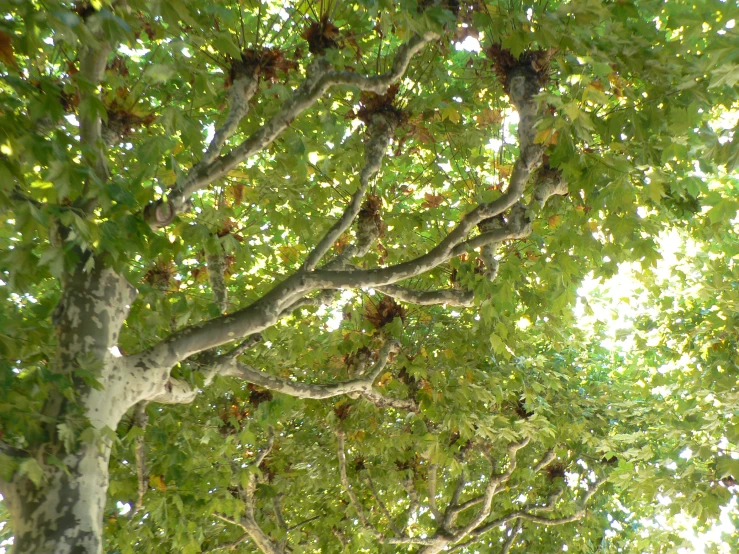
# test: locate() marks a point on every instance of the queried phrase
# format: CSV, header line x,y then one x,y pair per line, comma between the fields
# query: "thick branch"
x,y
453,245
216,260
241,92
179,392
381,131
308,390
382,401
325,297
316,84
92,70
12,451
450,297
253,319
266,311
160,213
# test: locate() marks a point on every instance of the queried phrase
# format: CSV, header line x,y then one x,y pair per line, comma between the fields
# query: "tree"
x,y
300,277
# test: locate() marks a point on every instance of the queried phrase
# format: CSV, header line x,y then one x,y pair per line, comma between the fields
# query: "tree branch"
x,y
323,298
319,79
382,401
492,487
229,520
527,516
161,212
140,420
511,537
249,523
228,545
307,390
449,515
266,311
450,297
12,451
216,266
548,458
176,391
92,70
301,523
431,484
251,320
241,92
382,506
381,130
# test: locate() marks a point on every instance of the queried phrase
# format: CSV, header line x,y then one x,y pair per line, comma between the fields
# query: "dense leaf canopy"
x,y
514,413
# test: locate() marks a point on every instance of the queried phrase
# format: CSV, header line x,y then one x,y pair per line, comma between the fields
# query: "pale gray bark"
x,y
266,311
320,77
63,514
381,131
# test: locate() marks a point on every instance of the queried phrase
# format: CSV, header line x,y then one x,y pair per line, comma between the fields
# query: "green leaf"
x,y
31,468
160,73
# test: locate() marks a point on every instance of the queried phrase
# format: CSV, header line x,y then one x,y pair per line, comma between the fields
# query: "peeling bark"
x,y
65,514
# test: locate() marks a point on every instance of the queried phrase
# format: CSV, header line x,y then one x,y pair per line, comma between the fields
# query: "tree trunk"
x,y
61,511
65,514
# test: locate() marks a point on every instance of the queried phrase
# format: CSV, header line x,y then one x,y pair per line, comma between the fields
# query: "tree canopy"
x,y
368,276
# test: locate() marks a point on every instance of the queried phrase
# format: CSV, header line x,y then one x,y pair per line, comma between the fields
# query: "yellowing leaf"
x,y
595,94
489,117
546,136
157,482
451,113
288,254
504,171
385,378
554,221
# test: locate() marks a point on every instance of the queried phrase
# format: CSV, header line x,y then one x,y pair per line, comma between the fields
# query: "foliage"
x,y
639,118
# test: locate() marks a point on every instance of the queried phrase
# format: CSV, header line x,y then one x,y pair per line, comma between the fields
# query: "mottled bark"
x,y
63,511
64,515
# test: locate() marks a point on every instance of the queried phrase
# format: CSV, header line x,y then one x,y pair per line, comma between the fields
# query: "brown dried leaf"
x,y
432,200
6,51
489,117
